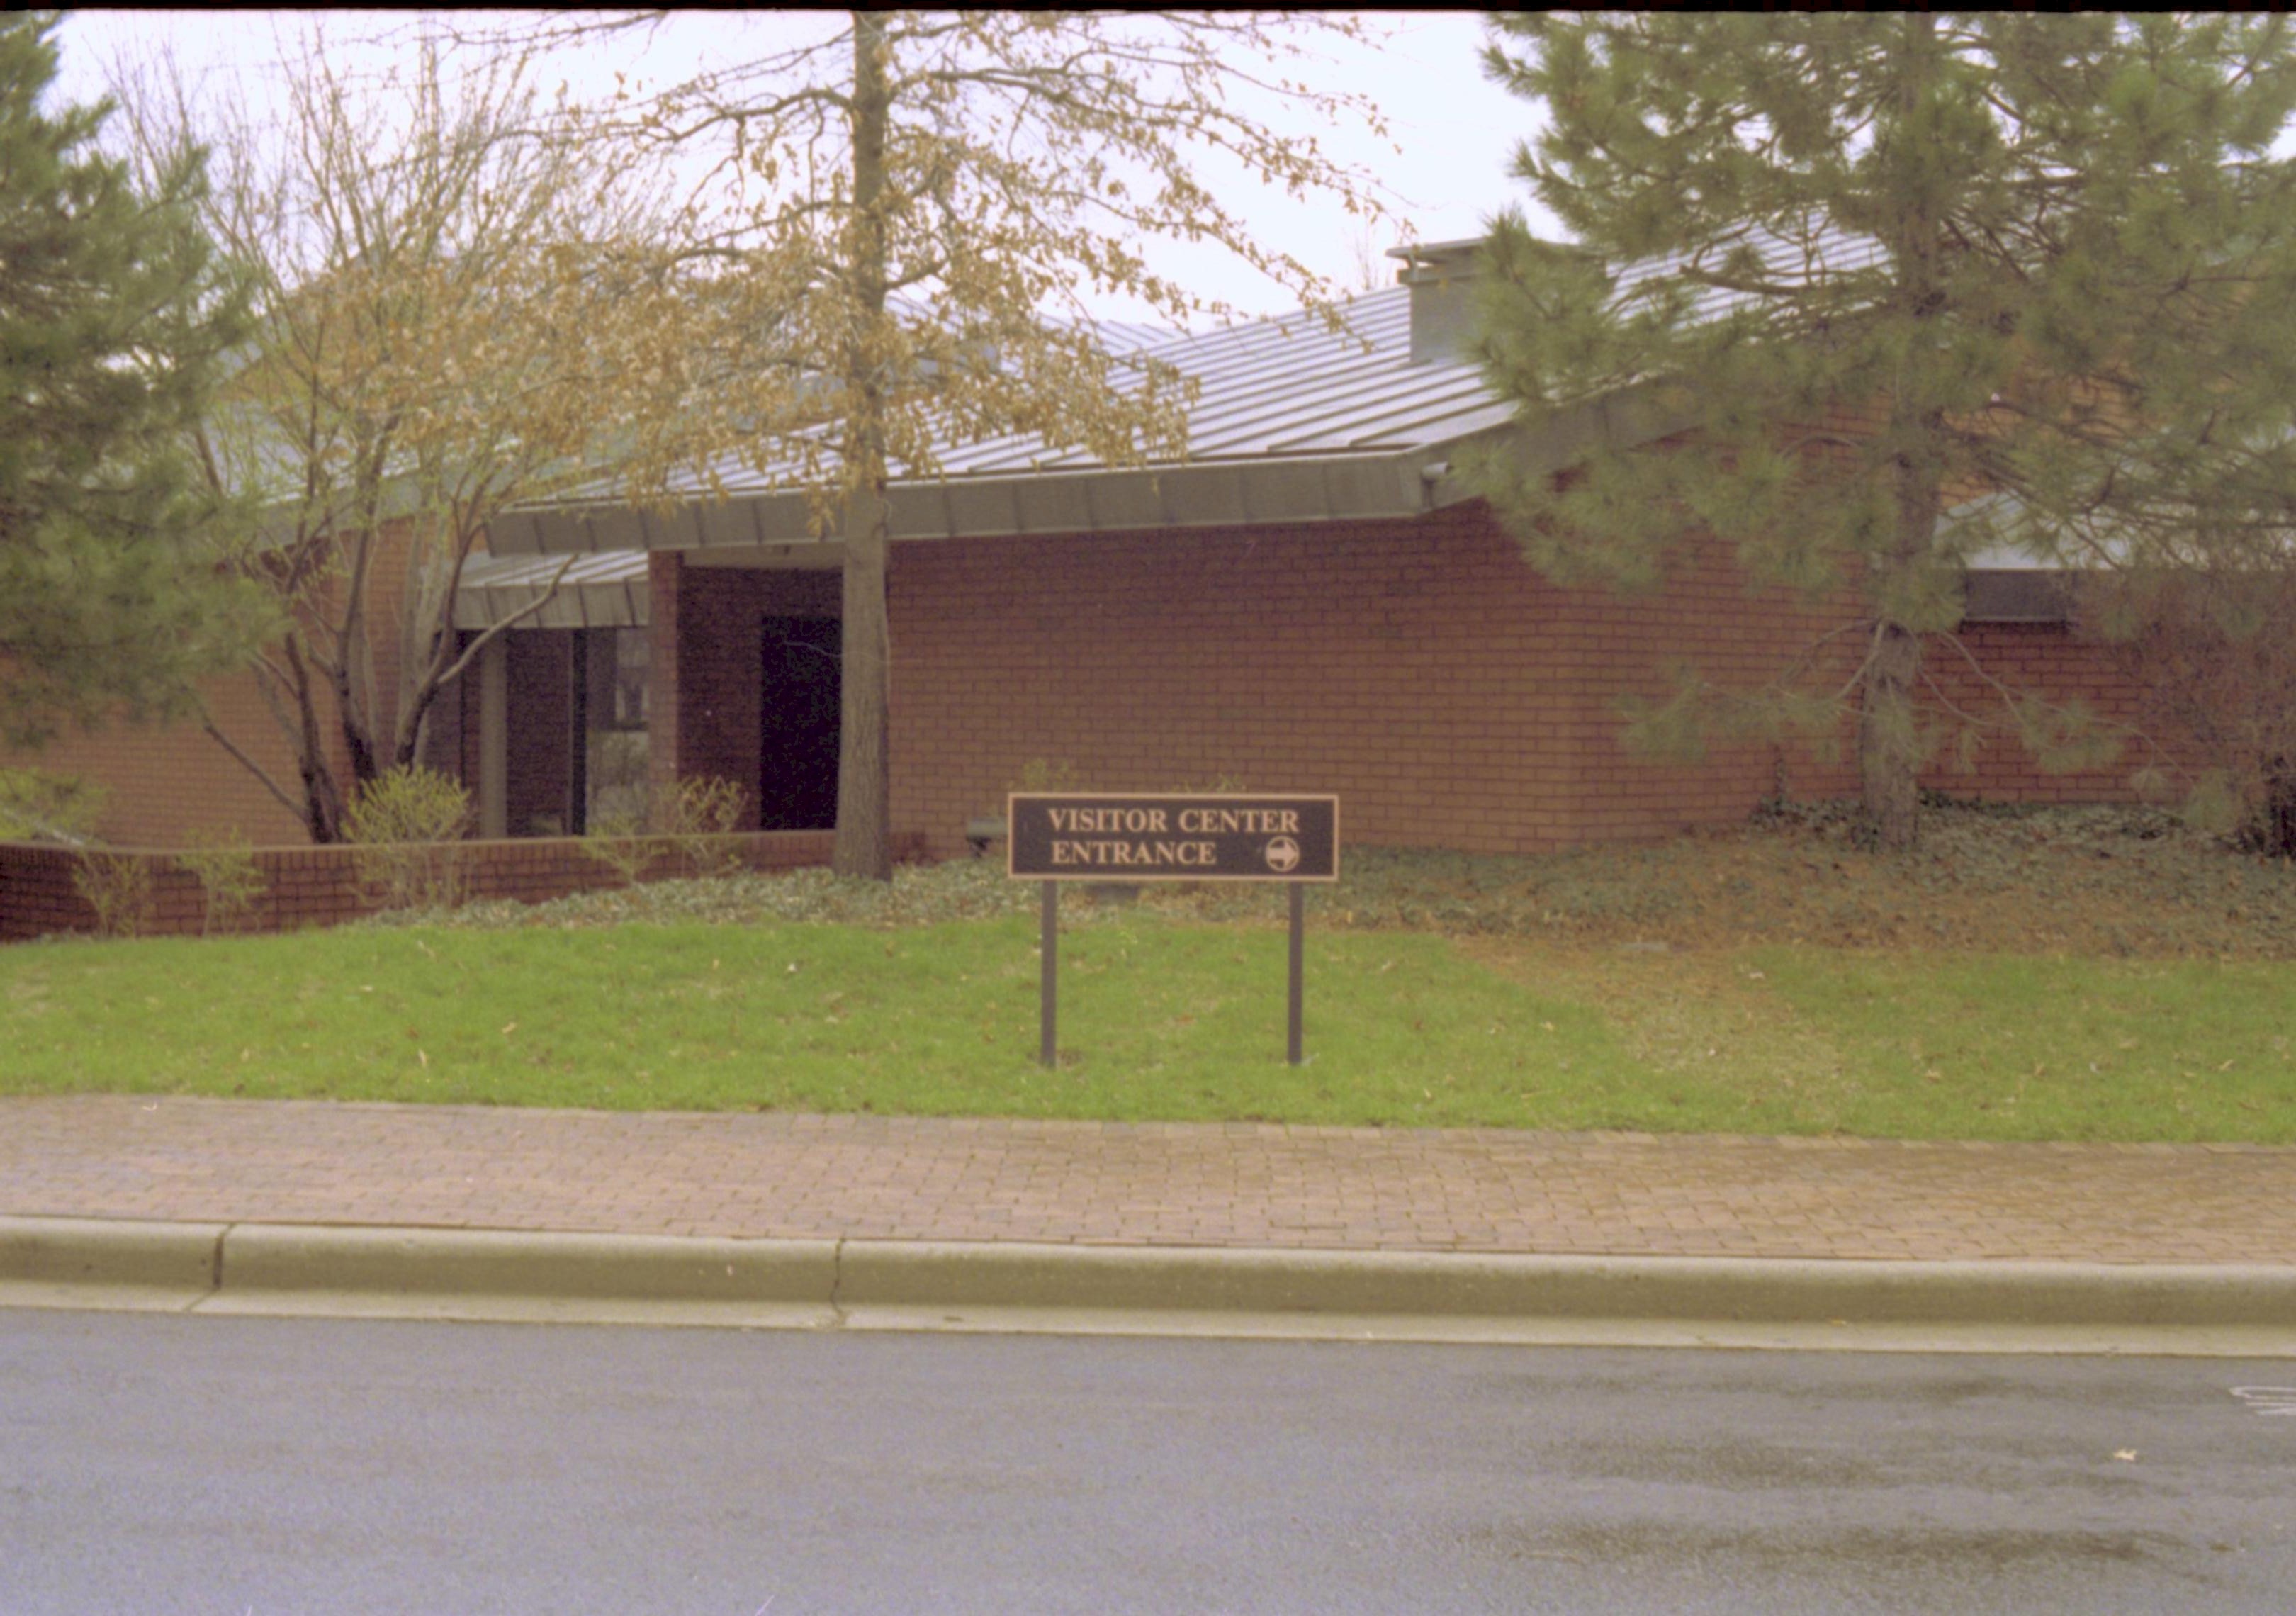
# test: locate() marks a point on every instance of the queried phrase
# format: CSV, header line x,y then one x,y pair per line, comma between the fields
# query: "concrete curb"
x,y
110,1251
494,1262
889,1284
1466,1285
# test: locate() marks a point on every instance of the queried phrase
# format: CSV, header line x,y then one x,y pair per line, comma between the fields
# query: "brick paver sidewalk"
x,y
876,1177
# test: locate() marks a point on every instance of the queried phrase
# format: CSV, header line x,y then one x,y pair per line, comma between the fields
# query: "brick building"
x,y
1312,600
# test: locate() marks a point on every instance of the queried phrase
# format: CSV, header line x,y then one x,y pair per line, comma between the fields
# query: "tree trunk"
x,y
865,844
1889,748
1889,741
322,805
358,745
2279,827
1888,754
864,776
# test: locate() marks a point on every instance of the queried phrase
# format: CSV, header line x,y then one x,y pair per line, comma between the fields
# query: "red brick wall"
x,y
1707,622
2048,661
308,886
168,784
1420,669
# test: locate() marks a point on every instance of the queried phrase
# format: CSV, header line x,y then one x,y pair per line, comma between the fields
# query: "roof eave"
x,y
1215,494
1362,486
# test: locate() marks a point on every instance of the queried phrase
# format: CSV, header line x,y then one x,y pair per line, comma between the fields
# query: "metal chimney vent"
x,y
1441,276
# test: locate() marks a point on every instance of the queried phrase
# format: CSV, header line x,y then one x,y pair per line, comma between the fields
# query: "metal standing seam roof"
x,y
602,591
1292,422
1814,259
1128,336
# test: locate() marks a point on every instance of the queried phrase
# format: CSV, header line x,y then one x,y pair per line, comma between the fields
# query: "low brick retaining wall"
x,y
319,886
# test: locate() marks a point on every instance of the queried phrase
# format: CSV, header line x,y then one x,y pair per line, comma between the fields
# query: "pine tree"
x,y
115,318
2049,257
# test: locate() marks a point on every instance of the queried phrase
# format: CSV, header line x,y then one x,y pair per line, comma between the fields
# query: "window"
x,y
614,706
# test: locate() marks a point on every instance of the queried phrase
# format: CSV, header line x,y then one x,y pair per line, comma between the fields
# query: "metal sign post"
x,y
1048,984
1299,969
1057,836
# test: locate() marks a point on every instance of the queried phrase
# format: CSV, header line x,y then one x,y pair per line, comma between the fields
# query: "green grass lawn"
x,y
2046,1048
1166,1019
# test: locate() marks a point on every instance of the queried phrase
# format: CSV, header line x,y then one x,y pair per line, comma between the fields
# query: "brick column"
x,y
665,584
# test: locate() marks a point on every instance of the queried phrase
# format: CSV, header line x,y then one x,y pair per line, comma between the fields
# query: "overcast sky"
x,y
1457,132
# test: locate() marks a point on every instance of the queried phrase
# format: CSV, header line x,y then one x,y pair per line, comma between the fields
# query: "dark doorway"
x,y
796,750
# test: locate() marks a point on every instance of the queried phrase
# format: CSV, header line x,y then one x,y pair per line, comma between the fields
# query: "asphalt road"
x,y
154,1464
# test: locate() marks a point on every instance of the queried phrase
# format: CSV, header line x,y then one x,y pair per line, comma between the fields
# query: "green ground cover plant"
x,y
2109,881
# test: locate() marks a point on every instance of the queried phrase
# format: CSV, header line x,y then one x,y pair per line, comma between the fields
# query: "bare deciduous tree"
x,y
453,303
922,210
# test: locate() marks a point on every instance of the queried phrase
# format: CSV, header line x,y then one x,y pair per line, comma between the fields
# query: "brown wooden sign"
x,y
1098,836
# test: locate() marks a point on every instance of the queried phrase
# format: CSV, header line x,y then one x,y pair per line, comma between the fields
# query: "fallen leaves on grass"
x,y
2105,881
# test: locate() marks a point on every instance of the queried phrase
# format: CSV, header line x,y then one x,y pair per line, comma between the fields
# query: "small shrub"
x,y
619,842
1037,774
696,818
408,826
410,804
224,867
36,806
118,886
1044,775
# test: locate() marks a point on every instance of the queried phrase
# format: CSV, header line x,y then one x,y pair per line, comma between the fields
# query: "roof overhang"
x,y
1212,495
605,586
1267,489
551,591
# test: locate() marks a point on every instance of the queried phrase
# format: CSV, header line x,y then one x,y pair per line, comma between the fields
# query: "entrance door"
x,y
796,751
